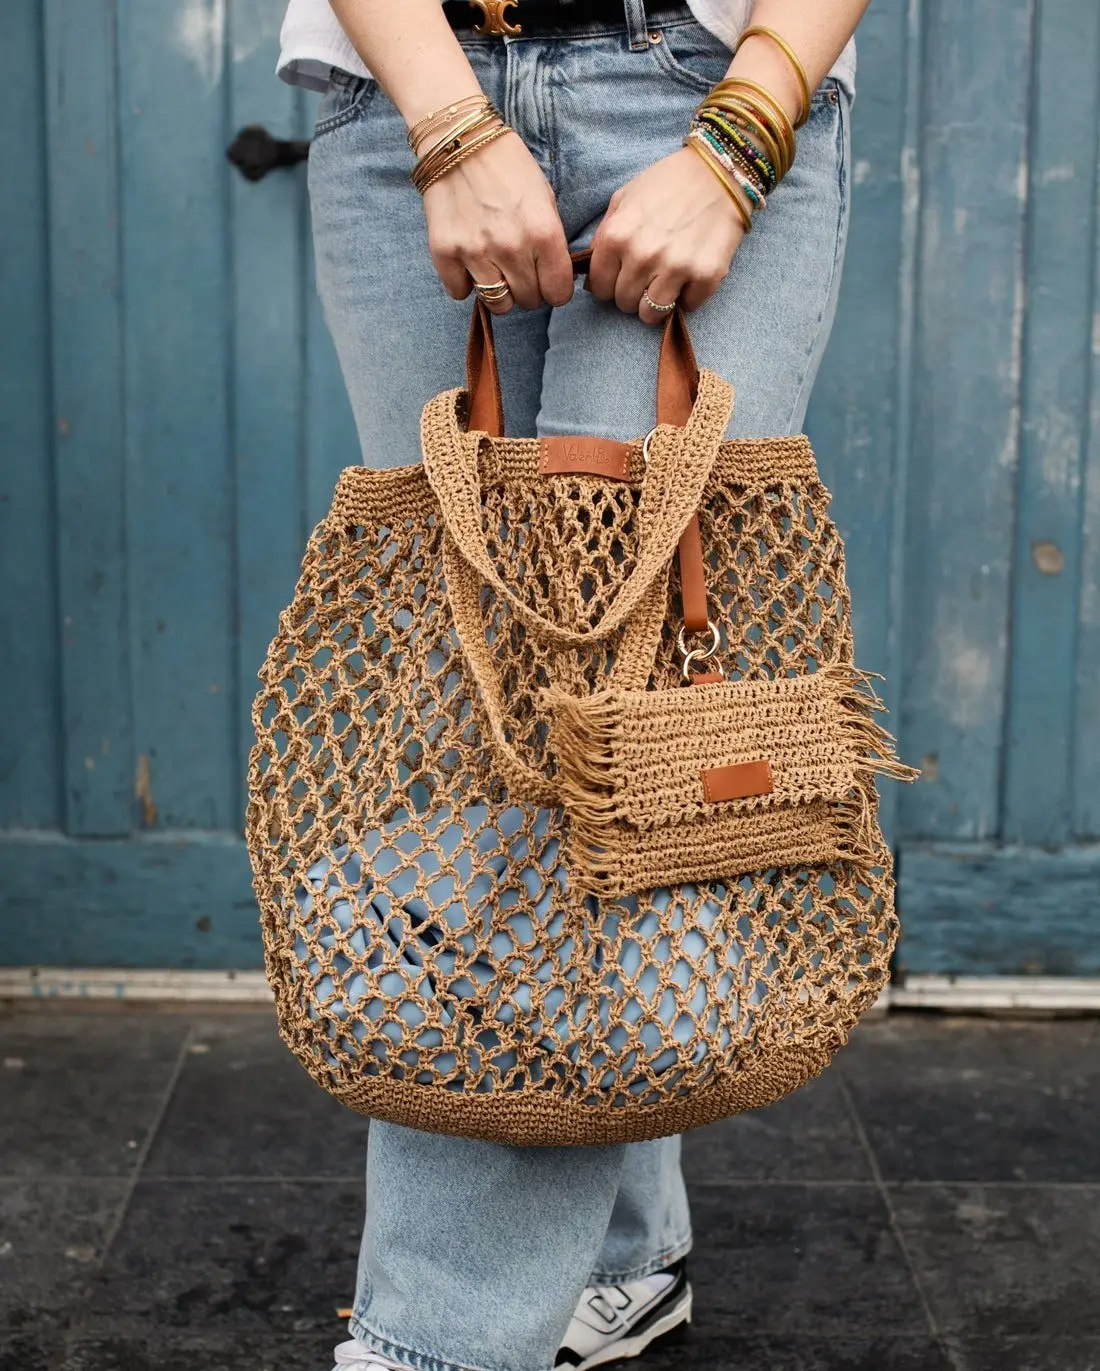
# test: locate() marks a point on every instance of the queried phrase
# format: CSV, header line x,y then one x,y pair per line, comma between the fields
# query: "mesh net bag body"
x,y
518,880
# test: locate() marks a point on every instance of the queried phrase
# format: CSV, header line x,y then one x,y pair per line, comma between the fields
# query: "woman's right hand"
x,y
495,216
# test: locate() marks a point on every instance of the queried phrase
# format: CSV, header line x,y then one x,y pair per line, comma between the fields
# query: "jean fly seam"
x,y
510,98
552,140
543,100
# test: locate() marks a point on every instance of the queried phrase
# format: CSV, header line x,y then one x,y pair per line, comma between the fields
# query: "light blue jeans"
x,y
474,1255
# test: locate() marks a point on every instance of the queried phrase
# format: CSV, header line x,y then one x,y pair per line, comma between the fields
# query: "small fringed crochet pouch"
x,y
562,805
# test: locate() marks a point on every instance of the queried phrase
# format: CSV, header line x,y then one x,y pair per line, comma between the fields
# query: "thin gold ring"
x,y
494,290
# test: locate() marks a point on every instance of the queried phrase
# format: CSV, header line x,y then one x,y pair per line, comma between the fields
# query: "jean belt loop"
x,y
636,27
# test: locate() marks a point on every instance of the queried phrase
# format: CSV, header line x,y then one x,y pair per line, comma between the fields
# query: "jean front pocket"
x,y
690,54
346,99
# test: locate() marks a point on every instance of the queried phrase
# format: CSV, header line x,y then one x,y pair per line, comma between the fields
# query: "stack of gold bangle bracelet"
x,y
439,118
467,126
745,136
758,30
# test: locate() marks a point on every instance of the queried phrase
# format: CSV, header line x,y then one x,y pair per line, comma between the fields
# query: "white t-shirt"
x,y
312,40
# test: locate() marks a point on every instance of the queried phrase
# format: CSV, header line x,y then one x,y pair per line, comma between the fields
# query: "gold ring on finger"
x,y
661,309
494,290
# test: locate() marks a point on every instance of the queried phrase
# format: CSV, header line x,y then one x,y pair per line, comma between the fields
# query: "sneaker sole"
x,y
626,1348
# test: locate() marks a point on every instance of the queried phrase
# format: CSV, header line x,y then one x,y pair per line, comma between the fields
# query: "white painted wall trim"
x,y
998,993
991,994
158,987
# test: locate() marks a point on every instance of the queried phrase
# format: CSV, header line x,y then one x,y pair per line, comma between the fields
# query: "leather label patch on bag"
x,y
737,782
567,454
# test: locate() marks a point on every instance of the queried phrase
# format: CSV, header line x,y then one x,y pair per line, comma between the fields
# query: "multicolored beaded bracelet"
x,y
737,139
764,184
756,109
699,144
747,184
747,172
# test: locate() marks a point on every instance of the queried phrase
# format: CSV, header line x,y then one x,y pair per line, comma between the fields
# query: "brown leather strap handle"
x,y
677,369
677,387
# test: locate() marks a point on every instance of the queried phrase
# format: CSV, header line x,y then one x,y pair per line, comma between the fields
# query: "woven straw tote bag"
x,y
562,802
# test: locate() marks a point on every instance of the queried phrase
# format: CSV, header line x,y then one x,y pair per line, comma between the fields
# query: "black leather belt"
x,y
530,17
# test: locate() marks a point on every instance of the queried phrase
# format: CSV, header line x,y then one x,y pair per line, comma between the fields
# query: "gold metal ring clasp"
x,y
699,654
493,20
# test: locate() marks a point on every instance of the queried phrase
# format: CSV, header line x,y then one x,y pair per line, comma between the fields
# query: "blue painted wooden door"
x,y
172,420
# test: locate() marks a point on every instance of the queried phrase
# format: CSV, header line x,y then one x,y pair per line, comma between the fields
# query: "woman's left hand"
x,y
673,231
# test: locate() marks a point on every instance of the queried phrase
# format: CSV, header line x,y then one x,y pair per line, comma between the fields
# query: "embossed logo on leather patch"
x,y
737,782
565,454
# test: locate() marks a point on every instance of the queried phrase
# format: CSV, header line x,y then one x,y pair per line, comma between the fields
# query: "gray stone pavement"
x,y
176,1195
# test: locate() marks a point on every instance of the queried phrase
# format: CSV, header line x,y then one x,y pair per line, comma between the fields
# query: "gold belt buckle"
x,y
493,20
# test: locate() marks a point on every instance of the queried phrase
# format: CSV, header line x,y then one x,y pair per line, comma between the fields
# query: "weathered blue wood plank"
x,y
160,899
269,236
970,303
853,416
178,316
80,94
1038,794
981,910
1086,805
30,739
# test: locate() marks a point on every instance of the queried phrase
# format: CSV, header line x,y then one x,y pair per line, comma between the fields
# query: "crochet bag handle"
x,y
693,409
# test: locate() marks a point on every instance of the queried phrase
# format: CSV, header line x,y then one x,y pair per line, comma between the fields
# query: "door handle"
x,y
254,152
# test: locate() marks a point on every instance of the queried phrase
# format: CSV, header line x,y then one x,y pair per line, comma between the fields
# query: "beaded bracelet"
x,y
748,185
734,135
742,115
742,169
736,139
764,106
699,145
755,194
745,116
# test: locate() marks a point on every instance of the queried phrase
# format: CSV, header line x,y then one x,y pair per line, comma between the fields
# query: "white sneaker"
x,y
359,1357
614,1322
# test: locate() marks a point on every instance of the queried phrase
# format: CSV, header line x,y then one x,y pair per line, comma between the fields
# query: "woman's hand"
x,y
673,231
495,216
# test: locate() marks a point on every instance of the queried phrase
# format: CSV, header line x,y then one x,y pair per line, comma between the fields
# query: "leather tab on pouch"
x,y
706,678
737,782
567,454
